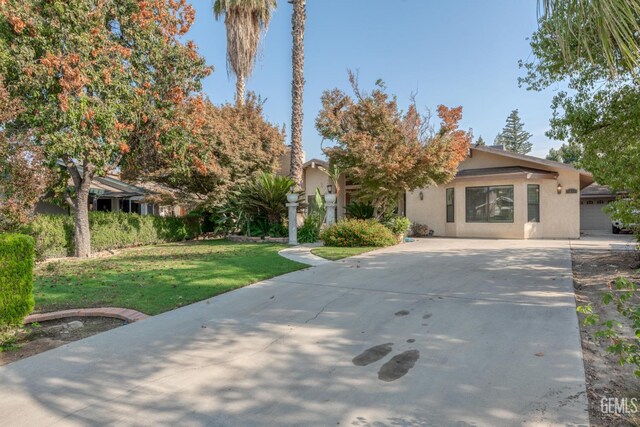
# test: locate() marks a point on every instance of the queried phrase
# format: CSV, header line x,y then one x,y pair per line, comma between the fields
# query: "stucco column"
x,y
292,204
330,203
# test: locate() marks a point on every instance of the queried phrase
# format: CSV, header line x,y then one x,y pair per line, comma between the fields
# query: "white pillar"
x,y
330,204
292,204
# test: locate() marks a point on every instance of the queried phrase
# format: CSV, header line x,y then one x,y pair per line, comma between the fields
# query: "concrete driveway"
x,y
437,332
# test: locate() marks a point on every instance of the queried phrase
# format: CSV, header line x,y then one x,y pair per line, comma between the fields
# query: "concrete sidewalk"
x,y
439,332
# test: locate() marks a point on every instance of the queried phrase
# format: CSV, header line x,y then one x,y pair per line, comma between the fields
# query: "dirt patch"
x,y
593,273
372,355
38,338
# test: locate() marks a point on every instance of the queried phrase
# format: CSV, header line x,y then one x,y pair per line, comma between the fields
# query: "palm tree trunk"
x,y
240,89
297,87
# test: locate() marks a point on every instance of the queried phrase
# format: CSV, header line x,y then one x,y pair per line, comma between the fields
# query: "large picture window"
x,y
489,204
450,205
533,203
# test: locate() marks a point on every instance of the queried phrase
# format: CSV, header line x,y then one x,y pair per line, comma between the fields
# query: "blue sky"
x,y
454,52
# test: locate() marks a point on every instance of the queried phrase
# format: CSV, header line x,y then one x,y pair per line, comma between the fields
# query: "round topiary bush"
x,y
16,278
358,232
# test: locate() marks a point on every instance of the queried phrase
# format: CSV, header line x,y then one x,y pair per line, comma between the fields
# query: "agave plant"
x,y
266,196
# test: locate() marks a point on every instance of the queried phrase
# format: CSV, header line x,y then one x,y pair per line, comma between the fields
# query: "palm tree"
x,y
246,21
612,25
297,87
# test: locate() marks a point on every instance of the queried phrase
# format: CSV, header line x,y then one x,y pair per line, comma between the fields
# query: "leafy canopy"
x,y
388,151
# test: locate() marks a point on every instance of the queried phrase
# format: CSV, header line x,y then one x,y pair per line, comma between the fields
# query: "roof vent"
x,y
497,147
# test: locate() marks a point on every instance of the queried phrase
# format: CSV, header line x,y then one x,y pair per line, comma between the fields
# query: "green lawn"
x,y
334,253
154,279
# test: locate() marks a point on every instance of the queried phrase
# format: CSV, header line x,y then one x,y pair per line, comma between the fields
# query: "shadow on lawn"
x,y
280,352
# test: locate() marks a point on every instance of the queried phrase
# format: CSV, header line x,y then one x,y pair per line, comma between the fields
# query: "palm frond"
x,y
611,26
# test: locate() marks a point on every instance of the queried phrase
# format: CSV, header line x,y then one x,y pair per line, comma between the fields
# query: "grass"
x,y
154,279
334,253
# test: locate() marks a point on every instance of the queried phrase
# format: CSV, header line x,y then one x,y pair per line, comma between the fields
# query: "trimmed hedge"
x,y
358,232
53,234
16,278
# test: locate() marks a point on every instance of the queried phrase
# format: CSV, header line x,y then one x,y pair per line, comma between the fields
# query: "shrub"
x,y
419,230
16,278
399,225
357,210
358,232
53,234
310,230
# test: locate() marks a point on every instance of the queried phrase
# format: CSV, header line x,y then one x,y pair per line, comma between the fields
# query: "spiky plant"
x,y
246,22
613,25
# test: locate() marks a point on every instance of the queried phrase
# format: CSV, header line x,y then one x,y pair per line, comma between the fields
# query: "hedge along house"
x,y
500,194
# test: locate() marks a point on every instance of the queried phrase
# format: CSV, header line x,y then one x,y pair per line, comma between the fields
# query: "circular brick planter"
x,y
125,314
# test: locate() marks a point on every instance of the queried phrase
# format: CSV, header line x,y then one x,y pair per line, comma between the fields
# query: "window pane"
x,y
450,205
500,204
533,203
533,193
476,204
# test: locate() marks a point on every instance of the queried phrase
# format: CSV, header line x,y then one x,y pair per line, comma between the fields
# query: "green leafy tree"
x,y
480,141
96,78
513,136
570,154
601,114
388,151
246,21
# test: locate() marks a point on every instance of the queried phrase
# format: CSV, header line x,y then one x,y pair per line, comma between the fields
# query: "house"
x,y
593,200
495,194
500,194
110,194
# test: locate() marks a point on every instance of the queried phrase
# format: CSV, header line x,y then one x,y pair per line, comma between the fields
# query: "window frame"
x,y
536,204
487,191
451,191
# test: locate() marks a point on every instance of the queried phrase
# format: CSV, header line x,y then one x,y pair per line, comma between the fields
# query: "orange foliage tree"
x,y
213,153
385,150
96,77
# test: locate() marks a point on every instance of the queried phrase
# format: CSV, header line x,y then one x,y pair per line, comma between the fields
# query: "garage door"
x,y
591,215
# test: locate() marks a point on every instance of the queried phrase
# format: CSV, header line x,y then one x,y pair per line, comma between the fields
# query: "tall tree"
x,y
89,75
570,154
246,21
513,136
227,147
388,151
298,19
480,141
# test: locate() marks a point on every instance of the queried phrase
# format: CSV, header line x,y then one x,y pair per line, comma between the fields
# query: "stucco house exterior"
x,y
500,194
495,194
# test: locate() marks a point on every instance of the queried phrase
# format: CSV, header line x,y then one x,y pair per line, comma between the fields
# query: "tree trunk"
x,y
82,182
82,234
240,89
297,87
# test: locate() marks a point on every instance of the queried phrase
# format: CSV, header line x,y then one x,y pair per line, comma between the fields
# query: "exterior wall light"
x,y
559,188
421,195
329,188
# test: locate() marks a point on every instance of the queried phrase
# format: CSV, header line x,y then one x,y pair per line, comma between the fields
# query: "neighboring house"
x,y
593,200
500,194
110,194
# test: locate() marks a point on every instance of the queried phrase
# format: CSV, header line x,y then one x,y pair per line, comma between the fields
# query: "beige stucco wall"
x,y
315,178
559,213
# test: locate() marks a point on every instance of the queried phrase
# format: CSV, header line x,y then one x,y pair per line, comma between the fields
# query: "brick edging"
x,y
125,314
